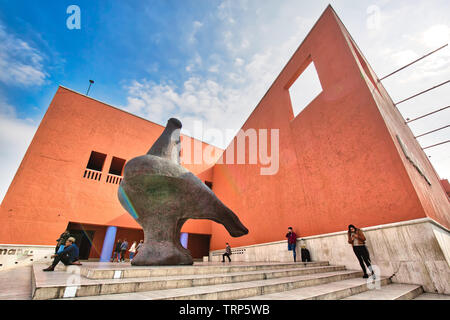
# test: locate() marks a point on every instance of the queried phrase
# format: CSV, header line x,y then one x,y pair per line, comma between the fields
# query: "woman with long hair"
x,y
357,239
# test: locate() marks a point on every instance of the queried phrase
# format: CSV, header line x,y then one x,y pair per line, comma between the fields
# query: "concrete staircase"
x,y
210,281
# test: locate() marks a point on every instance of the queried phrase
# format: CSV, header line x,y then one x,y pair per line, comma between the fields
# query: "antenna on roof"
x,y
90,83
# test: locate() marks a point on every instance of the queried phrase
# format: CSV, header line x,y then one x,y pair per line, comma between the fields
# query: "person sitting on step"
x,y
69,256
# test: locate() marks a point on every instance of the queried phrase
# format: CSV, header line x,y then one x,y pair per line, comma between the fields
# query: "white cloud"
x,y
226,82
20,63
12,146
436,35
196,27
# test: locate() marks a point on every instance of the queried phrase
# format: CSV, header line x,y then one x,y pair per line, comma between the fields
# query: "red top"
x,y
292,237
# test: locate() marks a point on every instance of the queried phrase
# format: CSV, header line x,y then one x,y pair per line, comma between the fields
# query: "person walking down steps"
x,y
227,253
357,239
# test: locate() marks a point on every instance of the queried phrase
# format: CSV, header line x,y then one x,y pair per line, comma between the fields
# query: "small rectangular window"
x,y
96,161
117,165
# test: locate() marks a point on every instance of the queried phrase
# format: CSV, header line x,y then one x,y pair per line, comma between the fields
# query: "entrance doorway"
x,y
198,245
83,240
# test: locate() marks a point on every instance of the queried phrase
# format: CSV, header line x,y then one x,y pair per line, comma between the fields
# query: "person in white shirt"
x,y
132,250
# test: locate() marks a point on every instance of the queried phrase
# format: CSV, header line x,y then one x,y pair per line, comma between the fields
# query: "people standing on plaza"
x,y
357,239
292,242
61,241
117,251
123,250
69,256
227,253
132,250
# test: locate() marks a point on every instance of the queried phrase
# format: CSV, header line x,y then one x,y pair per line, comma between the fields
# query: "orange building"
x,y
347,158
341,159
70,174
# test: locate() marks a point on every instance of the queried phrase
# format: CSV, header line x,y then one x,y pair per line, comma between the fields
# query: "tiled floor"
x,y
15,284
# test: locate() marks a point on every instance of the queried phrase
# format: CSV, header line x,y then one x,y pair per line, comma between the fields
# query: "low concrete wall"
x,y
12,256
416,251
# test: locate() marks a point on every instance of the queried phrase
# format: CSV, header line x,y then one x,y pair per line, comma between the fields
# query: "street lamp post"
x,y
90,83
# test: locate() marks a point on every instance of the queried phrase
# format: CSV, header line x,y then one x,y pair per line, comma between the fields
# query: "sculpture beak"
x,y
230,221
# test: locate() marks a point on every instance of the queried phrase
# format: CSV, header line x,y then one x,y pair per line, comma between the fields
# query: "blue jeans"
x,y
116,255
292,246
131,255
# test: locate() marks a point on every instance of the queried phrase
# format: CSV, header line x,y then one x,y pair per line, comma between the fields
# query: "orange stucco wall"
x,y
446,186
339,160
49,191
339,163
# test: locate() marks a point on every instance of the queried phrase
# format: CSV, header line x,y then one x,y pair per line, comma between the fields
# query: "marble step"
x,y
237,290
109,270
432,296
328,291
59,284
394,291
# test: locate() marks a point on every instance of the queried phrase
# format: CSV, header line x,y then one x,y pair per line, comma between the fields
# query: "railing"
x,y
92,174
114,179
233,252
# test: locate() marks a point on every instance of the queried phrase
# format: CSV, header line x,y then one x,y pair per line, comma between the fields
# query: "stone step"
x,y
107,270
328,291
394,291
59,284
432,296
237,290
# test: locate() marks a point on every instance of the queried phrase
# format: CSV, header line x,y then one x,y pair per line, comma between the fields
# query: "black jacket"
x,y
63,238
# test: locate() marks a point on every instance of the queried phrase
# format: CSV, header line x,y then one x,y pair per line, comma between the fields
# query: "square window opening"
x,y
96,161
117,165
305,89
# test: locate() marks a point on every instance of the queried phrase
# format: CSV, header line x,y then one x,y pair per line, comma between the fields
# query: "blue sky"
x,y
208,60
116,43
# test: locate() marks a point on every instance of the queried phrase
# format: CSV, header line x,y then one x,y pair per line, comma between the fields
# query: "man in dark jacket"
x,y
123,250
68,256
227,253
117,251
292,241
62,240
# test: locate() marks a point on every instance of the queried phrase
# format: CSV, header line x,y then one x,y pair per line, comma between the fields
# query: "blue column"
x,y
108,244
184,239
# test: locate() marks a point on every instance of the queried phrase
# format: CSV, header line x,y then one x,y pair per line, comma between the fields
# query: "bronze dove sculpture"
x,y
161,195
